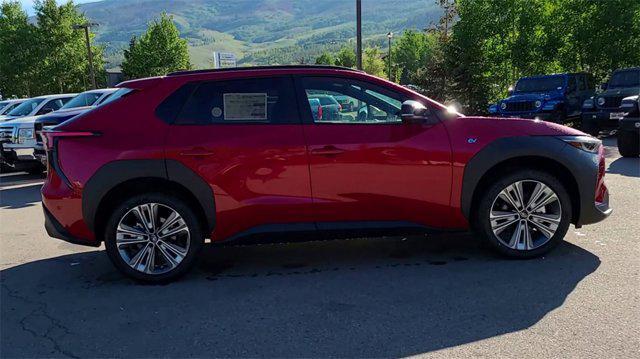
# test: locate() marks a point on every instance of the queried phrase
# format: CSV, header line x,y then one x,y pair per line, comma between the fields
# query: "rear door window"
x,y
261,100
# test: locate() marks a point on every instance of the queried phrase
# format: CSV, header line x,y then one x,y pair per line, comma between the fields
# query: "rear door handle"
x,y
327,151
197,152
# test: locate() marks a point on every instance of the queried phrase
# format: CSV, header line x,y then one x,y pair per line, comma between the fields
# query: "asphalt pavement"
x,y
443,296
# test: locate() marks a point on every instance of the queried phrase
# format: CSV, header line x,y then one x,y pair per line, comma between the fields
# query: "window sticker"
x,y
245,106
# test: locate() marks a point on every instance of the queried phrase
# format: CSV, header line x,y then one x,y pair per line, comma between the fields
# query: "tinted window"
x,y
266,100
540,84
52,105
582,83
26,107
83,100
628,78
361,102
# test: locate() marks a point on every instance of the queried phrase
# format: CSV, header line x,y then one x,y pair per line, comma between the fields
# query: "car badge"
x,y
472,140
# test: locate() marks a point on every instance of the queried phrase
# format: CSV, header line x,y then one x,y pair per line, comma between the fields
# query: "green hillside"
x,y
258,31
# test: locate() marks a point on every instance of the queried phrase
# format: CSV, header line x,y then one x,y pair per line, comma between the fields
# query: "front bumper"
x,y
631,124
544,116
17,157
602,117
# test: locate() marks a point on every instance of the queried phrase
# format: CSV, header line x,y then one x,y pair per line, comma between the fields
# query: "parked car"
x,y
78,105
8,105
330,107
17,137
236,155
629,127
602,112
345,102
556,98
316,108
37,106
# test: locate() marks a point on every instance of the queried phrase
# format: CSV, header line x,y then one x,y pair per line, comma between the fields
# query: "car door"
x,y
244,138
369,166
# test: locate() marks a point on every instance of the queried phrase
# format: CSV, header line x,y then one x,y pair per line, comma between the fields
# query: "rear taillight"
x,y
319,112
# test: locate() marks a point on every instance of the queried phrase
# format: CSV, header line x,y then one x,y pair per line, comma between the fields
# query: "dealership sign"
x,y
224,59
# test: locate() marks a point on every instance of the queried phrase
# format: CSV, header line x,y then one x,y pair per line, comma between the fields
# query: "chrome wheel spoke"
x,y
547,224
515,237
170,221
146,215
502,220
181,226
543,197
167,255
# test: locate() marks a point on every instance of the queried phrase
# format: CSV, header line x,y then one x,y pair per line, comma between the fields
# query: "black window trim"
x,y
235,122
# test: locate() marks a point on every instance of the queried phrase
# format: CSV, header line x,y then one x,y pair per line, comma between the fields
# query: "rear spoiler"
x,y
140,84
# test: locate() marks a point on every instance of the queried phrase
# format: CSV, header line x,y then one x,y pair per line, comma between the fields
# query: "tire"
x,y
173,255
492,203
36,171
628,143
591,127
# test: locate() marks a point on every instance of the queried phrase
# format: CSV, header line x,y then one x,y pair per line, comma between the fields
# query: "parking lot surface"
x,y
444,295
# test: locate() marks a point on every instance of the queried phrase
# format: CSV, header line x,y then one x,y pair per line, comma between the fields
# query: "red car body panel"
x,y
275,174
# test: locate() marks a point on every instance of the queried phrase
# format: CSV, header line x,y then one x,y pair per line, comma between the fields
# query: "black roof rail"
x,y
271,67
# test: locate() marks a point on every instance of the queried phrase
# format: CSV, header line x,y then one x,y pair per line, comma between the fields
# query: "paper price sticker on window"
x,y
245,106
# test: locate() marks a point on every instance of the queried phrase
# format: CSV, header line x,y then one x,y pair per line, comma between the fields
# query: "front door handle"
x,y
327,151
197,152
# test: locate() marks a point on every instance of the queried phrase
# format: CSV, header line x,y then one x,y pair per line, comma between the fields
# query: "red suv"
x,y
237,156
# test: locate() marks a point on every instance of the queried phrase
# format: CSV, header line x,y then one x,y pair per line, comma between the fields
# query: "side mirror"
x,y
413,112
604,86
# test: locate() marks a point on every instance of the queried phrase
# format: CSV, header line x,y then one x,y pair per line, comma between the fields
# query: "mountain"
x,y
258,31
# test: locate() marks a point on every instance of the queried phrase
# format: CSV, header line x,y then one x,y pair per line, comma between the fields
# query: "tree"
x,y
346,57
17,63
63,64
372,62
410,52
325,59
157,52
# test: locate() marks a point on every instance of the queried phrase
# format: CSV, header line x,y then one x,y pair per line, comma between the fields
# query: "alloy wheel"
x,y
152,238
525,215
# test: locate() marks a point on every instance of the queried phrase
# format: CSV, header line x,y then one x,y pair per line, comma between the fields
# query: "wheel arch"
x,y
119,179
508,154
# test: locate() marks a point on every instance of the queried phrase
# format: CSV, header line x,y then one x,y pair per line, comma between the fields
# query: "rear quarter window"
x,y
261,100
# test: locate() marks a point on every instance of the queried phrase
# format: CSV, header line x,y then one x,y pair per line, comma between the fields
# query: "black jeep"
x,y
602,112
629,128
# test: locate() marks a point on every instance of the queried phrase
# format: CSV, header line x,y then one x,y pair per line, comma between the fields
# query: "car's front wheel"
x,y
524,214
153,237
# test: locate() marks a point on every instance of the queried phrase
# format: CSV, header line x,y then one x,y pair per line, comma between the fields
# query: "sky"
x,y
28,4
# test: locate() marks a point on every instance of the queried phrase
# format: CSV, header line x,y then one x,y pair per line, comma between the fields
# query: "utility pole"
x,y
359,34
86,28
389,36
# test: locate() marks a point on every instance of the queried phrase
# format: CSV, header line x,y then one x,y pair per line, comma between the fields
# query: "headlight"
x,y
493,108
585,143
600,101
588,103
538,103
503,105
25,134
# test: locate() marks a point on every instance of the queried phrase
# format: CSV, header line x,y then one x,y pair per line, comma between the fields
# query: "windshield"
x,y
114,96
625,79
26,107
543,84
83,100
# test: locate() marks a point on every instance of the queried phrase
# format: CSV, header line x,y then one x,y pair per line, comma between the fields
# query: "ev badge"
x,y
472,140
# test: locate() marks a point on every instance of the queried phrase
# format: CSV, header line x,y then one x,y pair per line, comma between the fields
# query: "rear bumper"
x,y
56,230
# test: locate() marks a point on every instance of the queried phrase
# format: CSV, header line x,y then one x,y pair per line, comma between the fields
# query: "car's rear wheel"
x,y
153,237
525,214
629,143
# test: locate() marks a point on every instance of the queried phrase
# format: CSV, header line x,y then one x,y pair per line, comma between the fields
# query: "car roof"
x,y
256,68
102,90
13,100
554,75
57,96
628,69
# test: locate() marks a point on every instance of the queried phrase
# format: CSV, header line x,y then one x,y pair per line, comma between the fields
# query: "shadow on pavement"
x,y
20,197
625,166
358,298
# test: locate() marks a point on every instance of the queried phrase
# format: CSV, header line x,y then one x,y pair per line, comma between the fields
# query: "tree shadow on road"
x,y
357,298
